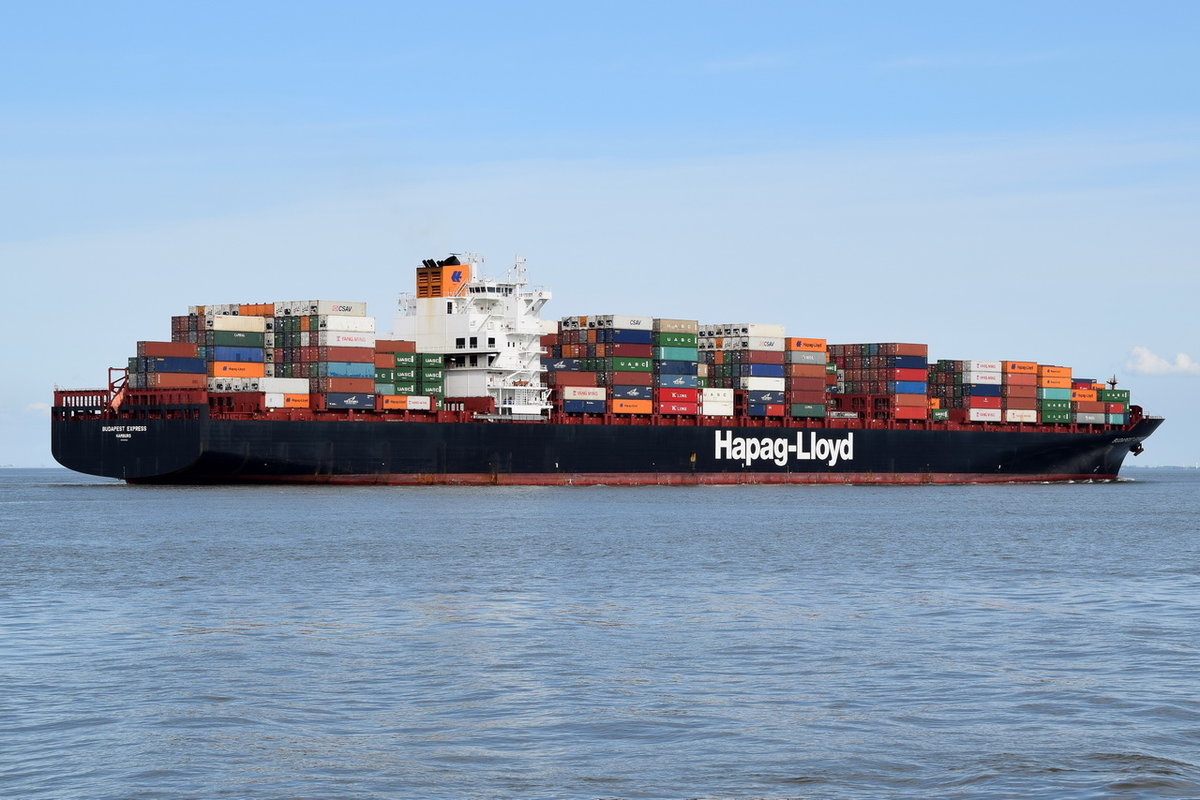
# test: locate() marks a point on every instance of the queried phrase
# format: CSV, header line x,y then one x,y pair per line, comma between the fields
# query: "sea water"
x,y
999,641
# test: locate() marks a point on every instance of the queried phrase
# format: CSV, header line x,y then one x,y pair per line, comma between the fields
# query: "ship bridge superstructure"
x,y
489,332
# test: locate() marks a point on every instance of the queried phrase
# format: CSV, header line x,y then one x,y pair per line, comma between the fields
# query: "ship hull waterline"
x,y
500,453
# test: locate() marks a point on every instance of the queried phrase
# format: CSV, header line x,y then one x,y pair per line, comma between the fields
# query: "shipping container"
x,y
716,408
236,369
166,349
985,415
341,339
225,353
763,384
584,393
195,366
673,407
345,369
1089,418
765,409
584,406
1020,415
622,406
676,381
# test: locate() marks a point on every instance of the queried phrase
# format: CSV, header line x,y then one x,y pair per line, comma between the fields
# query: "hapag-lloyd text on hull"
x,y
806,446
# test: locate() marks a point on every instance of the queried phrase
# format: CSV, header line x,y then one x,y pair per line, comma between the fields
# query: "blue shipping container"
x,y
909,387
762,371
758,409
626,336
675,367
343,400
584,406
345,369
677,381
760,396
631,392
564,364
170,364
980,390
908,362
230,353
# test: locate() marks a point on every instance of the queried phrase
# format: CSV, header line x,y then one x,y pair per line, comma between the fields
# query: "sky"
x,y
1013,180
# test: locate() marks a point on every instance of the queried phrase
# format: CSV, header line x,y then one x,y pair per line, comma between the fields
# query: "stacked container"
x,y
1087,406
675,366
806,376
748,358
1054,393
1019,391
167,365
882,380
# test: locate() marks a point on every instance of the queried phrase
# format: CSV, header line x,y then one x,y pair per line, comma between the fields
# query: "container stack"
x,y
806,376
1054,394
399,377
748,358
167,365
1116,405
975,388
619,350
676,366
1019,391
882,380
234,348
1087,407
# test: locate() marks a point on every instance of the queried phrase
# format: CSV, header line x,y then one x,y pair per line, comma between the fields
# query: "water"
x,y
720,642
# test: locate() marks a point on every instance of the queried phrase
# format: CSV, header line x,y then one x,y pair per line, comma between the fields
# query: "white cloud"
x,y
1144,362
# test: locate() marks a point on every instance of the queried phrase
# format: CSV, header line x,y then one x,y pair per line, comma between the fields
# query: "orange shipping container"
x,y
805,371
347,385
1050,382
805,345
236,369
911,401
910,412
619,406
295,401
1088,395
1021,367
304,323
1047,371
1020,379
935,402
395,346
383,360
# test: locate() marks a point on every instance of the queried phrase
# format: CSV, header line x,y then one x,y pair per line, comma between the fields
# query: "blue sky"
x,y
1016,180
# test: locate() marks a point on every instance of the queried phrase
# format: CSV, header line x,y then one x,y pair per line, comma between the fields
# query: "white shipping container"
x,y
273,399
764,384
420,403
268,339
344,339
622,321
341,322
984,415
766,342
584,393
233,384
1083,418
269,369
981,366
713,408
701,370
987,378
284,385
219,322
756,329
805,357
676,325
716,394
351,309
1020,415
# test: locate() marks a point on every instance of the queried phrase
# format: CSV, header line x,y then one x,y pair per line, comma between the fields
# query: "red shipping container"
x,y
395,346
807,384
347,385
760,356
1088,406
1021,403
677,408
665,395
630,379
166,349
385,360
802,396
625,350
355,355
1019,391
567,378
804,370
1020,379
910,412
982,402
1114,408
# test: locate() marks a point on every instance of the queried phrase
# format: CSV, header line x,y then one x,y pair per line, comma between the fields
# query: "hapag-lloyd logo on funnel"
x,y
807,446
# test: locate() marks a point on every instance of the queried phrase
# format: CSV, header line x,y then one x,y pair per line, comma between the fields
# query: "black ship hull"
x,y
205,450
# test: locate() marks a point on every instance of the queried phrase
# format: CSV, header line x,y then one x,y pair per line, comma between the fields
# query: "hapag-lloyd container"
x,y
282,400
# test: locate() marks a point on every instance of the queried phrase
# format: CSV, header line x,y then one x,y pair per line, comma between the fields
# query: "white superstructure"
x,y
490,332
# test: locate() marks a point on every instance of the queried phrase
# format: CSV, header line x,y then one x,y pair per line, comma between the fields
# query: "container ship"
x,y
474,387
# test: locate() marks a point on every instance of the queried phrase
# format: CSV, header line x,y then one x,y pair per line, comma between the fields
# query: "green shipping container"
x,y
675,353
808,410
234,339
401,375
1054,405
406,359
628,365
675,339
385,388
1053,394
404,388
428,360
433,391
939,414
1056,416
385,376
1113,395
132,366
430,374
